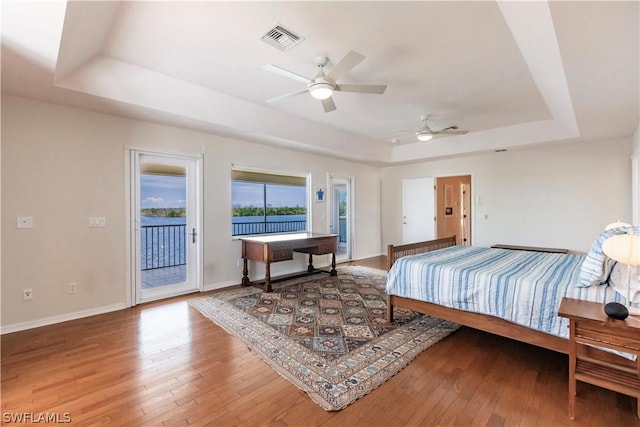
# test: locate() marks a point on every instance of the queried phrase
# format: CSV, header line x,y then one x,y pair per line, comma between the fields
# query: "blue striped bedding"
x,y
522,287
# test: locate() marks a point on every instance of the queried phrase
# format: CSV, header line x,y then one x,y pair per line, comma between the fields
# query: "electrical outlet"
x,y
73,288
28,294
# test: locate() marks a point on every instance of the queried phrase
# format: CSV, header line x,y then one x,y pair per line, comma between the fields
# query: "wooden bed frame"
x,y
479,321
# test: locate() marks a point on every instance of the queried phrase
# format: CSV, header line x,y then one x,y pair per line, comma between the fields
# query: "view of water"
x,y
163,220
271,218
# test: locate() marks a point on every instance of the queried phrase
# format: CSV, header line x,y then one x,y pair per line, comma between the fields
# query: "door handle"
x,y
193,235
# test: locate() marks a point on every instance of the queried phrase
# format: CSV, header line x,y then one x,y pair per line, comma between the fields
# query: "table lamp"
x,y
617,224
625,248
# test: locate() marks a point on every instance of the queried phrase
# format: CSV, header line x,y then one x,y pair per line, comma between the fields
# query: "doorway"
x,y
453,208
340,214
166,238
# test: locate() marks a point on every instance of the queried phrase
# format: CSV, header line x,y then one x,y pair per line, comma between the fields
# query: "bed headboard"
x,y
395,252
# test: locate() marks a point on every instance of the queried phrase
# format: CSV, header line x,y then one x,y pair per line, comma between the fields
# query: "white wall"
x,y
62,165
635,177
555,196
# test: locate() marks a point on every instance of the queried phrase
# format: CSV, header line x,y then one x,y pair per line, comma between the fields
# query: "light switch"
x,y
97,221
24,222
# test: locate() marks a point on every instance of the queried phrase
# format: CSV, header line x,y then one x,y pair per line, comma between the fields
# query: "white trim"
x,y
15,327
351,197
165,152
267,170
133,295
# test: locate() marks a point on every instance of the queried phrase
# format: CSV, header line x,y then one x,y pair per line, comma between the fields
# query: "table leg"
x,y
245,272
333,264
310,268
572,370
267,277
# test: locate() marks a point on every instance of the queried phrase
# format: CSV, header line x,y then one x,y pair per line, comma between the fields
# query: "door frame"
x,y
350,209
472,205
132,156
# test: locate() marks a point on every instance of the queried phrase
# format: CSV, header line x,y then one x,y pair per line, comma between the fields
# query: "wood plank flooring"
x,y
164,363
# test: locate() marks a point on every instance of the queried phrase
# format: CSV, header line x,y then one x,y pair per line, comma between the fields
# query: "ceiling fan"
x,y
426,133
322,86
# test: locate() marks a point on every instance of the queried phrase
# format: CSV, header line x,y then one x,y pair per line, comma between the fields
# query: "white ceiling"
x,y
513,73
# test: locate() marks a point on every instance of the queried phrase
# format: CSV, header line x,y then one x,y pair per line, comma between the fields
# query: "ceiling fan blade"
x,y
375,89
328,105
281,97
285,73
452,132
345,65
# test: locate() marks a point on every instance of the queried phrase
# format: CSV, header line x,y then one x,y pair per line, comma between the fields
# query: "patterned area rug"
x,y
327,335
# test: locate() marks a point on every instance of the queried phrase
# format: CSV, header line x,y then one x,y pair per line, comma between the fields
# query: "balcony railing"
x,y
265,227
162,246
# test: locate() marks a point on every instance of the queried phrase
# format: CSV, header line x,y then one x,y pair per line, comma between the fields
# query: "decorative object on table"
x,y
320,194
625,249
616,310
327,335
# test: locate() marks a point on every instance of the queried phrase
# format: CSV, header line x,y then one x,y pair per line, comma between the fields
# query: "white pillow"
x,y
596,266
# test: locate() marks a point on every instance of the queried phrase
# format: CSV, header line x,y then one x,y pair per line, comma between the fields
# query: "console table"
x,y
280,247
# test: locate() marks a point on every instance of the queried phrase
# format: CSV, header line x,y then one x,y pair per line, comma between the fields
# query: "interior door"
x,y
418,210
167,226
340,217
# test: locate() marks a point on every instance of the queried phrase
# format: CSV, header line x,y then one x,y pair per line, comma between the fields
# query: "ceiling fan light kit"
x,y
424,137
321,89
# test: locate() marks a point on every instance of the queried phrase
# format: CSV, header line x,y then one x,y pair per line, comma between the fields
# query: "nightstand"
x,y
589,326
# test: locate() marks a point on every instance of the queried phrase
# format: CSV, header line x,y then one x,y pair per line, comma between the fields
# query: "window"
x,y
264,202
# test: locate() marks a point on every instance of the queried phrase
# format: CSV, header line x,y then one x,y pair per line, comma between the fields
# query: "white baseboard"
x,y
221,285
15,327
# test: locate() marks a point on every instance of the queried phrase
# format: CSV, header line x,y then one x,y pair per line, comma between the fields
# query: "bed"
x,y
520,280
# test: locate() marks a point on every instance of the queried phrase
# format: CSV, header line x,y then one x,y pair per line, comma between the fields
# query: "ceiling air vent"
x,y
280,37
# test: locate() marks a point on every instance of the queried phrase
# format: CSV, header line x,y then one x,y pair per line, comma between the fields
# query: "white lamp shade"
x,y
424,137
321,90
617,224
624,248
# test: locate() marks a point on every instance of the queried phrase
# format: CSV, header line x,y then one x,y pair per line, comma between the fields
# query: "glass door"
x,y
340,216
167,235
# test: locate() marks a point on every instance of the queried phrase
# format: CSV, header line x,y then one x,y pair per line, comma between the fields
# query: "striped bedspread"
x,y
523,287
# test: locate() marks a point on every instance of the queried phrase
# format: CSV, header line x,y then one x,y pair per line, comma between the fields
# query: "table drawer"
x,y
280,254
327,247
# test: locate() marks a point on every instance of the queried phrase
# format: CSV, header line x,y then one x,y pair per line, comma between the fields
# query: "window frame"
x,y
284,174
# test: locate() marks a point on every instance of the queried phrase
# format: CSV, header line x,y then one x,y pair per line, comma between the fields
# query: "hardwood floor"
x,y
165,364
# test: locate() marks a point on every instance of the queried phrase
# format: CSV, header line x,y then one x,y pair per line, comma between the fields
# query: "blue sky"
x,y
162,191
251,194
